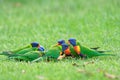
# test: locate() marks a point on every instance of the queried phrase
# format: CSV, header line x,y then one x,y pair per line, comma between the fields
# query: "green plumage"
x,y
27,50
27,53
20,49
29,56
90,52
53,52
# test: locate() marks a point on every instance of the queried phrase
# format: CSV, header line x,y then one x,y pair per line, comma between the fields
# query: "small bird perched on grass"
x,y
72,43
31,45
27,53
65,51
34,46
84,50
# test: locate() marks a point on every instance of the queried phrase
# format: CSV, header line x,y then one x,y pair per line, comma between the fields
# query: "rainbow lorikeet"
x,y
79,49
65,51
34,46
27,53
31,45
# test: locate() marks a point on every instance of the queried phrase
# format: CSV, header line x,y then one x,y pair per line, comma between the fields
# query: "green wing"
x,y
29,56
25,47
18,51
54,52
23,51
90,52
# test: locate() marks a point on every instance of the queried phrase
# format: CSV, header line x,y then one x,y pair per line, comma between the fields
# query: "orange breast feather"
x,y
77,49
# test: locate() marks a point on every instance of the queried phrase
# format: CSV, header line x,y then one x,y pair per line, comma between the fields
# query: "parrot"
x,y
87,53
65,51
75,48
25,53
34,46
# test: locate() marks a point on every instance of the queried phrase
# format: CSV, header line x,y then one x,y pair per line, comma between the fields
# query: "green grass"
x,y
93,23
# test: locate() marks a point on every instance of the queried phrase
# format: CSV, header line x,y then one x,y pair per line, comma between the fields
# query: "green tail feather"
x,y
6,53
103,51
102,54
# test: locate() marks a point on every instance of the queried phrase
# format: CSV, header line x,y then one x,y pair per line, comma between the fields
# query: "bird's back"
x,y
89,52
53,52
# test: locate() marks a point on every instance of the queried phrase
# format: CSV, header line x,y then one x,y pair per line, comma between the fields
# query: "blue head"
x,y
64,46
72,41
35,44
61,41
41,48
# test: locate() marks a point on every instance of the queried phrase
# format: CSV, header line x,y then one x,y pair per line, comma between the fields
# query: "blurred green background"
x,y
93,23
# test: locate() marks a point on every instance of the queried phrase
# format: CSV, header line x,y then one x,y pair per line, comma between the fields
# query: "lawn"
x,y
93,23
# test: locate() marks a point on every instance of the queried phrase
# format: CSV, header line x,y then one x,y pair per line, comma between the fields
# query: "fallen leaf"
x,y
85,72
110,76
